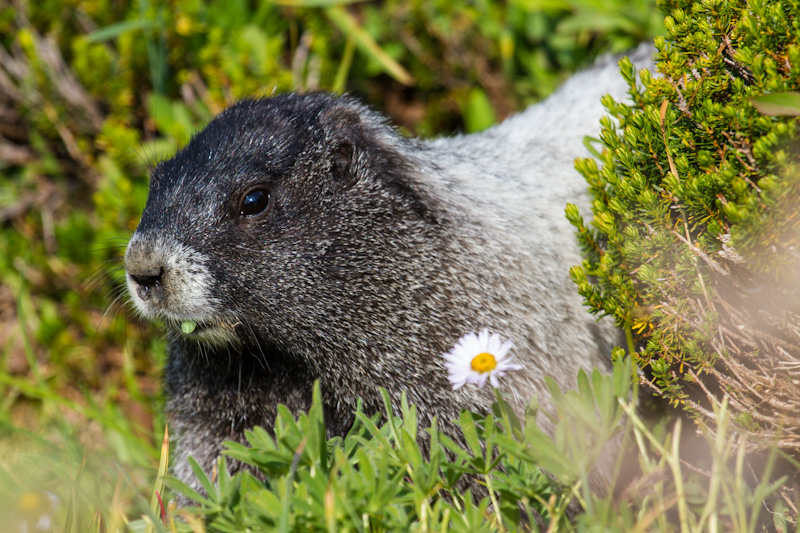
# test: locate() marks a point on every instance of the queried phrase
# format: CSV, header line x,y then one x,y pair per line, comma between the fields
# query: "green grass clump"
x,y
691,245
378,478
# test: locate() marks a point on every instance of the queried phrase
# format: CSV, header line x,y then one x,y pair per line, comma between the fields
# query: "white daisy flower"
x,y
478,357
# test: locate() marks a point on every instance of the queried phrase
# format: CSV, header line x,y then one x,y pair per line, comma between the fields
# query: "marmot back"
x,y
300,238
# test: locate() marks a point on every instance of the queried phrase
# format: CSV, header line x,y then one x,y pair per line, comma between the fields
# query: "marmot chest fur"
x,y
305,239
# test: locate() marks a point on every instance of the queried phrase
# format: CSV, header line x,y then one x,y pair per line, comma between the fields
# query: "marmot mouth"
x,y
216,332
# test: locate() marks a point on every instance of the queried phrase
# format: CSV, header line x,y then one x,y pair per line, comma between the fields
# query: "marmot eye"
x,y
255,202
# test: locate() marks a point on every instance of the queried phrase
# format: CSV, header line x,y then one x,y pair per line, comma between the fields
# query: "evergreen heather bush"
x,y
693,245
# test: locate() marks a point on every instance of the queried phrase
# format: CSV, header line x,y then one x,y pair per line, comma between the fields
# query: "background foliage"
x,y
94,92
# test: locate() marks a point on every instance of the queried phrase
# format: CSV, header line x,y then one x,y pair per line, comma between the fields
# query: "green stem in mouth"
x,y
187,326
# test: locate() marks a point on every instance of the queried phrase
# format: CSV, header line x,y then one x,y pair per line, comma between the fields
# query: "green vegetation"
x,y
93,93
377,479
693,240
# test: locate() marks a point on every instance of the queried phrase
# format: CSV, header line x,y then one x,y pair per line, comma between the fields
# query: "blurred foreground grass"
x,y
93,93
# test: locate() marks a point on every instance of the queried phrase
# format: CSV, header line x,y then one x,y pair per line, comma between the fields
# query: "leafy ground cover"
x,y
376,478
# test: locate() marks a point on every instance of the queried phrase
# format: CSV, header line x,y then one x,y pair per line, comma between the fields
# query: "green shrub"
x,y
692,246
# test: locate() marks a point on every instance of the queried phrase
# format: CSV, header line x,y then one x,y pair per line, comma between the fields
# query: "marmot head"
x,y
290,221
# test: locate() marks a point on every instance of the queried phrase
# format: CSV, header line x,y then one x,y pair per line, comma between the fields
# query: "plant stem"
x,y
495,503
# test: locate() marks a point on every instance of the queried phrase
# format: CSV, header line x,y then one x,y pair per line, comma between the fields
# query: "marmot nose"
x,y
146,281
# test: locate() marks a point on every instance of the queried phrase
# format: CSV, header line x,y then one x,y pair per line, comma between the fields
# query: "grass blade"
x,y
156,504
115,30
348,25
344,66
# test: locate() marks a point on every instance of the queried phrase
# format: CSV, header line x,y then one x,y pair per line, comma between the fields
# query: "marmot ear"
x,y
344,137
342,164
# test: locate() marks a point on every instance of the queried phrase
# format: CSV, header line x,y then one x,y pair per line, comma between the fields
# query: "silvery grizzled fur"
x,y
309,241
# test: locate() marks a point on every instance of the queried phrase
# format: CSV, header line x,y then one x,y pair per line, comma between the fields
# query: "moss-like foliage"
x,y
692,248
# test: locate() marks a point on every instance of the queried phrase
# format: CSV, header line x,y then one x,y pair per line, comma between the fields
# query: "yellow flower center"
x,y
483,362
29,502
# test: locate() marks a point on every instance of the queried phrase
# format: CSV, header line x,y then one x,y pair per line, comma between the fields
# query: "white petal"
x,y
506,364
483,337
493,344
503,350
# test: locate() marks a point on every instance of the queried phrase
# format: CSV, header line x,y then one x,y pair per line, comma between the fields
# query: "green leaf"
x,y
348,25
158,488
118,28
182,488
547,454
470,433
201,476
319,433
376,433
477,111
778,104
315,3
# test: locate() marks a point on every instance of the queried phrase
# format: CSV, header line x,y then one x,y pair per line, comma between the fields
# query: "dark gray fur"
x,y
376,255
